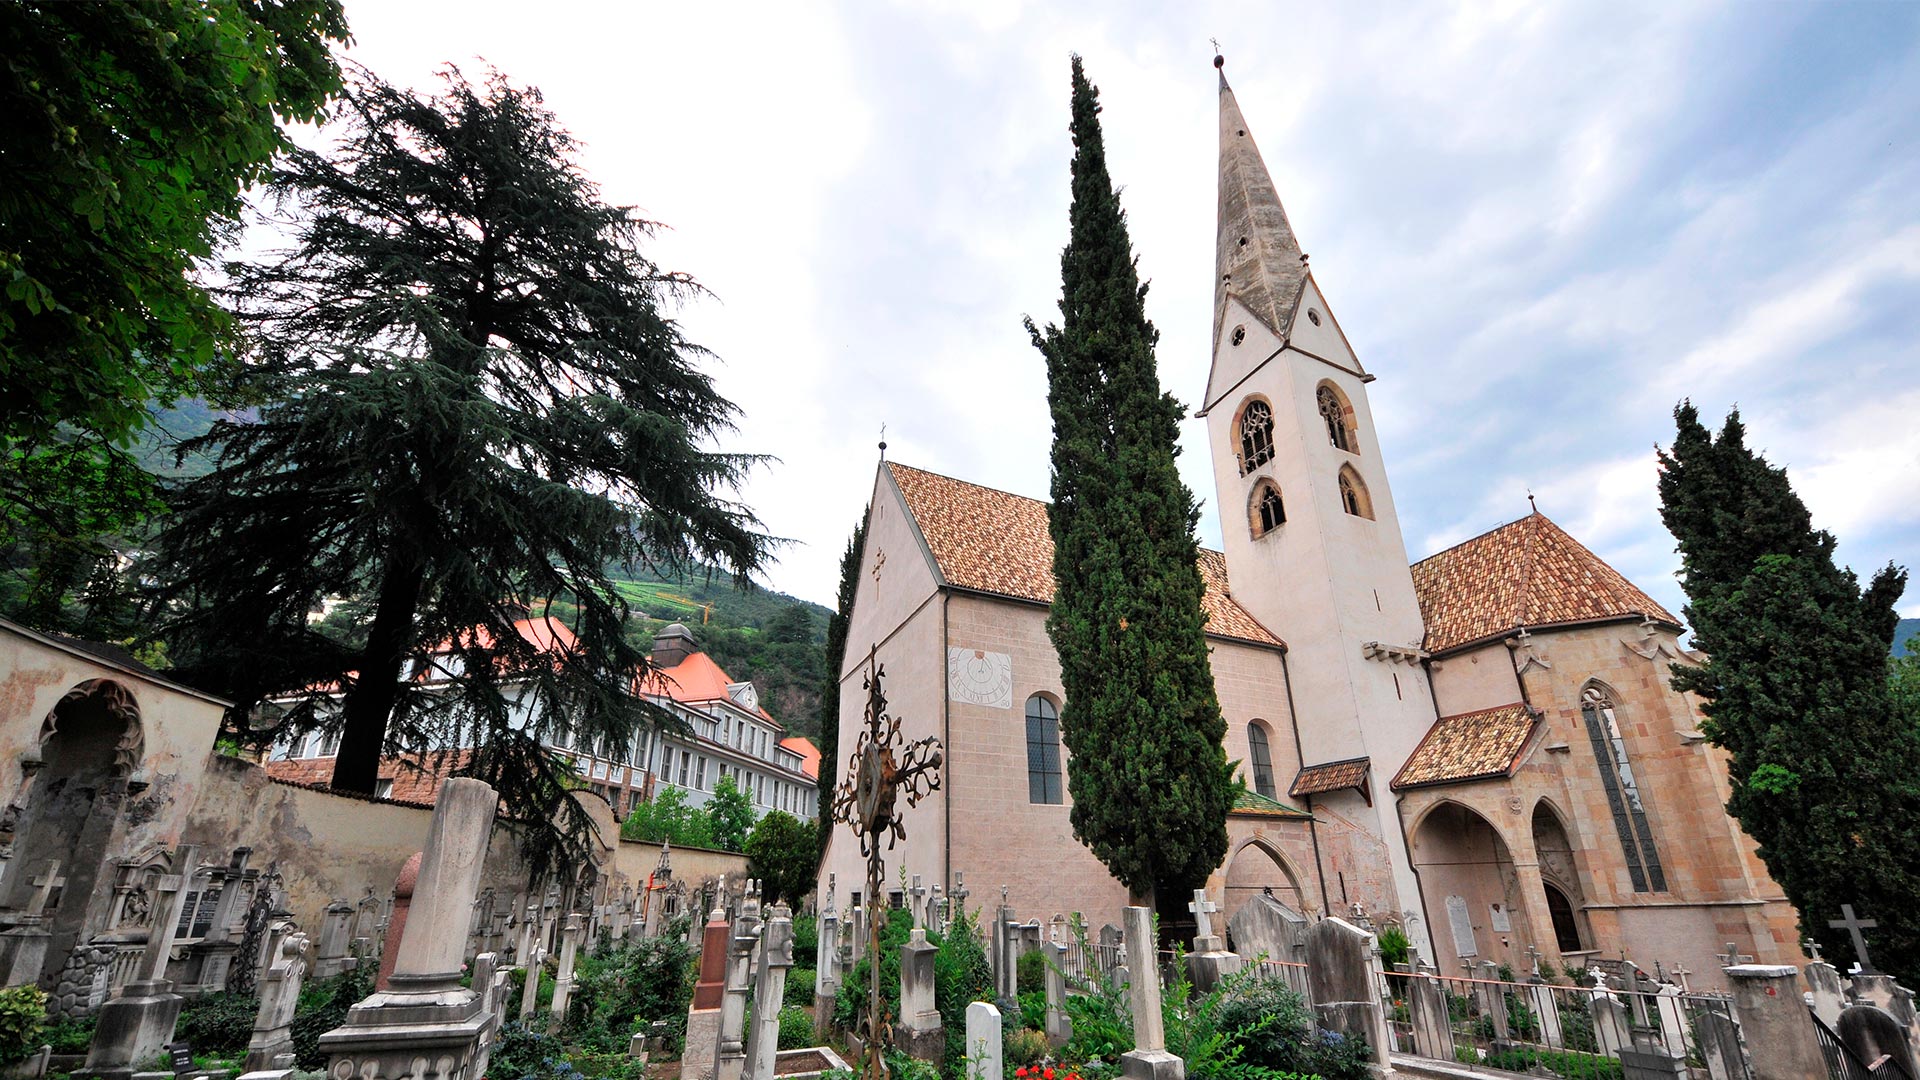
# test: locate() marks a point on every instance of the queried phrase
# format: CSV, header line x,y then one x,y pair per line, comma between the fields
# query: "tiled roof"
x,y
1525,573
416,781
1470,746
1332,776
1253,803
809,753
997,542
698,679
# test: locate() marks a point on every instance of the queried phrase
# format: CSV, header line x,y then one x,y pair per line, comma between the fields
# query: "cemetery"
x,y
366,742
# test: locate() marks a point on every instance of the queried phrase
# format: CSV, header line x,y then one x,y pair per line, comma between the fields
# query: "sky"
x,y
1540,226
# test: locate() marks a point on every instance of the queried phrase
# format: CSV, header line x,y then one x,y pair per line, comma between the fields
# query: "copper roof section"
x,y
997,542
1527,573
1469,746
1253,804
1332,776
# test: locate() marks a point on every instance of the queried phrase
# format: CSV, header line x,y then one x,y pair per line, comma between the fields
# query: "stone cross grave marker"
x,y
1732,957
960,892
1853,924
563,980
918,903
1680,976
1813,950
43,887
279,990
1203,910
1533,958
170,898
770,982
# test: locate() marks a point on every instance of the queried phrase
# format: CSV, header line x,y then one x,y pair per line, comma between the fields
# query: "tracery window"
x,y
1353,494
1333,412
1262,760
1623,792
1256,435
1268,512
1043,751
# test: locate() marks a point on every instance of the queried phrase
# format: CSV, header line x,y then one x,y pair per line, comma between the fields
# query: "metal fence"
x,y
1844,1064
1581,1033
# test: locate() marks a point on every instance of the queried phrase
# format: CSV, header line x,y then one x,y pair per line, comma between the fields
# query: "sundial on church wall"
x,y
977,677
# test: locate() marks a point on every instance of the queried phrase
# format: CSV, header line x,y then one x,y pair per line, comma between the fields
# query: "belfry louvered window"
x,y
1333,412
1256,435
1043,751
1623,792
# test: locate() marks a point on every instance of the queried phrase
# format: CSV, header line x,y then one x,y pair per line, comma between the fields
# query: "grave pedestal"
x,y
1773,1020
131,1028
426,1023
703,1016
919,1030
23,953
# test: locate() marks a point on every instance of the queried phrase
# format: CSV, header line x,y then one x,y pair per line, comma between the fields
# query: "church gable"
x,y
1243,346
1317,333
1527,573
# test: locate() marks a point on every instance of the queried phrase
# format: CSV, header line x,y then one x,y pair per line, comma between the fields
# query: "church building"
x,y
1481,748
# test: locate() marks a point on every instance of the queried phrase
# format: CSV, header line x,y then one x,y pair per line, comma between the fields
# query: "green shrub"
x,y
806,939
1562,1062
23,1011
796,1028
1024,1046
322,1007
1274,1028
521,1053
800,986
218,1023
1030,972
69,1036
960,978
621,989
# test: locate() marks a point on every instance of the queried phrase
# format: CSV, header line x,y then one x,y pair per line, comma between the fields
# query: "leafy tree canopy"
x,y
667,817
478,398
730,812
1151,783
1824,754
783,852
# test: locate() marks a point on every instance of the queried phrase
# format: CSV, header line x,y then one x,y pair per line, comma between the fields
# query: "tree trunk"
x,y
369,704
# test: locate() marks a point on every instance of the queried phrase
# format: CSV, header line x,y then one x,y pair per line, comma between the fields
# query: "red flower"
x,y
1049,1073
1021,1071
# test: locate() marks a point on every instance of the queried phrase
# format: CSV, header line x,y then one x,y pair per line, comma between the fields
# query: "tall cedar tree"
x,y
479,406
850,562
1825,767
1150,779
132,133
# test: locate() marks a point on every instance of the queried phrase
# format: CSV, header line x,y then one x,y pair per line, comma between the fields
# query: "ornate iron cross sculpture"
x,y
882,771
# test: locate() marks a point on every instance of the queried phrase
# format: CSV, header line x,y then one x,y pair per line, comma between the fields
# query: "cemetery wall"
x,y
635,859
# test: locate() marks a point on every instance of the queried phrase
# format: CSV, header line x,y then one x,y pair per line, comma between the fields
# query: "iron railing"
x,y
1577,1032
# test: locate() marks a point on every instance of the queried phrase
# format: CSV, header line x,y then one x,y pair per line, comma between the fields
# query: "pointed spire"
x,y
1256,259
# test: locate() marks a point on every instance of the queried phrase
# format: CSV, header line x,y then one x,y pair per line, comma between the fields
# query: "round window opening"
x,y
1313,317
1239,334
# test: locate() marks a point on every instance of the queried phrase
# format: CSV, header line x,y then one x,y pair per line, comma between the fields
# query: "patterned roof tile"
x,y
1469,746
1332,776
1527,573
997,542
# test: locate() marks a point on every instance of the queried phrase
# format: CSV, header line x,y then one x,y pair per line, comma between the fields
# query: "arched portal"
x,y
1471,888
69,806
1255,868
1560,877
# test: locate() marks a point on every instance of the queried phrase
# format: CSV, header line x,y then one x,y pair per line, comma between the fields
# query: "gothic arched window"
x,y
1623,792
1256,435
1267,513
1043,751
1262,760
1333,411
1353,494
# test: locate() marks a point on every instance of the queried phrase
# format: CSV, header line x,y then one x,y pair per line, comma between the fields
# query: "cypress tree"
x,y
1824,762
830,685
478,406
1149,776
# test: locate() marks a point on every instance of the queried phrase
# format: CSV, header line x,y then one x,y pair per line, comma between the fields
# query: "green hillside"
x,y
1903,636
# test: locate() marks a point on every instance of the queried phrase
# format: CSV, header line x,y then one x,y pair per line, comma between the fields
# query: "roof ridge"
x,y
1480,536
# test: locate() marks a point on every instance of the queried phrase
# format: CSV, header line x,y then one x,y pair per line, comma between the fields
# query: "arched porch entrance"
x,y
1471,886
1560,882
1258,868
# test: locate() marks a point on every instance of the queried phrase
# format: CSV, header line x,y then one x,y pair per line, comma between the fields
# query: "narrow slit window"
x,y
1262,760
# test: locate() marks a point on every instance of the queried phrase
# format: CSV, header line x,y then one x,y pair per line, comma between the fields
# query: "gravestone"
x,y
1671,1005
138,1021
215,951
1344,978
919,1028
1647,1058
1872,1033
1210,961
703,1015
1779,1036
1149,1059
1427,1008
1720,1046
1828,995
23,948
563,980
1546,1007
1266,927
425,1021
396,927
983,1042
730,1060
333,954
1610,1027
270,1051
1491,996
490,979
826,972
1059,1024
769,991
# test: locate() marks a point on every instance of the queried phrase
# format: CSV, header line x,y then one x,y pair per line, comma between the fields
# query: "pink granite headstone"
x,y
397,923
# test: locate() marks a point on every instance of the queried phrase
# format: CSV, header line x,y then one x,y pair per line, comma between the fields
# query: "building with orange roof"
x,y
729,734
1481,748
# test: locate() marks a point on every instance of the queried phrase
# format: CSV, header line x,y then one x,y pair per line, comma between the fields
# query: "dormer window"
x,y
1256,435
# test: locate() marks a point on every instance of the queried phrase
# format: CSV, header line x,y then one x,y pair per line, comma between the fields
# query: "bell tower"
x,y
1313,545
